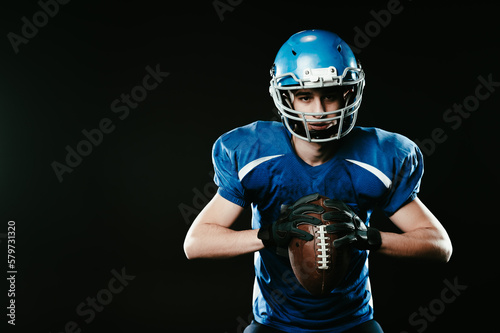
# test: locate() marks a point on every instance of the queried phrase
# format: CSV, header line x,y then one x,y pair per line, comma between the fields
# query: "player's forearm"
x,y
215,241
425,243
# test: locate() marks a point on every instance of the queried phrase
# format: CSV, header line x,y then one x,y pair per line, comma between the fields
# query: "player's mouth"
x,y
321,126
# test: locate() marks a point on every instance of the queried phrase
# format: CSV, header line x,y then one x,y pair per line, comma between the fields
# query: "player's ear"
x,y
287,96
347,92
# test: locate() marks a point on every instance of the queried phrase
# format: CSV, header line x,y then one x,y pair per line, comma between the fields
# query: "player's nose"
x,y
318,108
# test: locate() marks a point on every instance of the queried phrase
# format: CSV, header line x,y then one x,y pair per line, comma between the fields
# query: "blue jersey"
x,y
256,166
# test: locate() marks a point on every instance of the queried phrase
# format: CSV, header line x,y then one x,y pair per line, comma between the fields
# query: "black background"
x,y
121,208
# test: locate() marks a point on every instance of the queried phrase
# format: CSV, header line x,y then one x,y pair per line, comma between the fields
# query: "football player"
x,y
317,86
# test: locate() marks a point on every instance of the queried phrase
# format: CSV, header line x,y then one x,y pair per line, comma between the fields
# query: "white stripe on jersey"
x,y
379,174
250,166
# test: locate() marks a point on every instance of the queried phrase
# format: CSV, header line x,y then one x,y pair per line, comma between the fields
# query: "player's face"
x,y
319,101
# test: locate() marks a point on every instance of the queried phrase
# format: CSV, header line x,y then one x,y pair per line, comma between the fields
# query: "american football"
x,y
317,264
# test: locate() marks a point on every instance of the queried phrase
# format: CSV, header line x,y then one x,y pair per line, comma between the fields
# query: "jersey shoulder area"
x,y
384,141
255,136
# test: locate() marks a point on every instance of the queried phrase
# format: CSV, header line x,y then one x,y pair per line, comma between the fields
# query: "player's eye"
x,y
304,97
331,97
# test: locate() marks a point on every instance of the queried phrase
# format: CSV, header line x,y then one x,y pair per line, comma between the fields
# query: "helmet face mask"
x,y
300,65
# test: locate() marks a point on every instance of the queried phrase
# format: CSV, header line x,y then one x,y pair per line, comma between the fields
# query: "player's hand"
x,y
285,228
354,229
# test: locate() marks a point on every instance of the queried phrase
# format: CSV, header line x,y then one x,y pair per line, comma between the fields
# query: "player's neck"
x,y
314,153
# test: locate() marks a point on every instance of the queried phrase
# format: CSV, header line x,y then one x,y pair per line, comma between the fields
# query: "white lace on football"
x,y
323,256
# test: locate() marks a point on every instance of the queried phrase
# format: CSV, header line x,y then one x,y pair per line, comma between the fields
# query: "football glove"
x,y
278,234
351,226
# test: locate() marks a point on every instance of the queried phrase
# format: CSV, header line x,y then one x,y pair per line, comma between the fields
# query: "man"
x,y
317,86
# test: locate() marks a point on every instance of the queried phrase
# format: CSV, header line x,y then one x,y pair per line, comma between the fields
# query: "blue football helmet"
x,y
316,59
